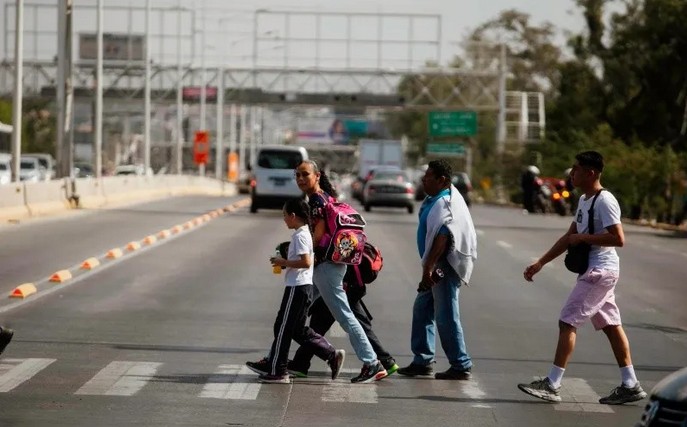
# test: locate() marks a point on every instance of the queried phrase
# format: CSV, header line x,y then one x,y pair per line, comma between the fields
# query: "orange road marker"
x,y
90,264
114,253
23,290
177,229
164,234
61,276
149,240
132,246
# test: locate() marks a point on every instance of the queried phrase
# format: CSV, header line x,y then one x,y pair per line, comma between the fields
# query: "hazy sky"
x,y
229,27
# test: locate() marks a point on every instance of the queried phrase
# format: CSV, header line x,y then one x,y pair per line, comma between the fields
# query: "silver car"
x,y
389,188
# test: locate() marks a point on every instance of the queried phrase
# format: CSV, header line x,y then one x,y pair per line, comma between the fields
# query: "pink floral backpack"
x,y
344,238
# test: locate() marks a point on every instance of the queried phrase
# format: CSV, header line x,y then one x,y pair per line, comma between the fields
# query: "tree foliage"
x,y
621,89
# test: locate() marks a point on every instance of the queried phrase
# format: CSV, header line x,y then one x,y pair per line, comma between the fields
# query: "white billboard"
x,y
118,47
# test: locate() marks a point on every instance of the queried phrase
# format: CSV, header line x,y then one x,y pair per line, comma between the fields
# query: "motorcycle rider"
x,y
529,187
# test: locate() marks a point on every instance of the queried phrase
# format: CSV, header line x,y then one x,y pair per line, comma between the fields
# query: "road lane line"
x,y
583,397
479,232
224,385
13,375
504,245
120,378
342,390
336,331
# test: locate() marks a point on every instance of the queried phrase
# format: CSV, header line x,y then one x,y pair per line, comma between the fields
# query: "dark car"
x,y
461,181
668,404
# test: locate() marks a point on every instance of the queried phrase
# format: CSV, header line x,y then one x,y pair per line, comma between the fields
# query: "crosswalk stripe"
x,y
12,375
583,397
342,390
473,390
120,378
222,385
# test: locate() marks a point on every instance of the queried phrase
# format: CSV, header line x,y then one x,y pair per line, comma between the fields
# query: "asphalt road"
x,y
159,337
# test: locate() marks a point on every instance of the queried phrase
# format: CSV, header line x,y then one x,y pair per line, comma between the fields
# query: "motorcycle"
x,y
561,199
542,195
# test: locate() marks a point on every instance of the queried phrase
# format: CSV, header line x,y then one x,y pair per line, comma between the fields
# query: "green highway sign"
x,y
446,149
452,123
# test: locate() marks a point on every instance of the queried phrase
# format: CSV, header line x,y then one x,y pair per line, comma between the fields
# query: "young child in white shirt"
x,y
291,319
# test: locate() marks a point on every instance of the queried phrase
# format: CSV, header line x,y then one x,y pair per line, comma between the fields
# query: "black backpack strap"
x,y
590,219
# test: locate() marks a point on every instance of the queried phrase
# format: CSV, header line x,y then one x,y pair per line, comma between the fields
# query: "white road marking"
x,y
120,378
504,245
583,397
342,390
13,372
224,384
336,331
474,391
479,232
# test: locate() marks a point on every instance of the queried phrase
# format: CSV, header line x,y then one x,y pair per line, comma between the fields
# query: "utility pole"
x,y
146,101
99,94
18,88
65,94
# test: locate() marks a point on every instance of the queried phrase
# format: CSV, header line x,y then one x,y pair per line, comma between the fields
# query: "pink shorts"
x,y
593,298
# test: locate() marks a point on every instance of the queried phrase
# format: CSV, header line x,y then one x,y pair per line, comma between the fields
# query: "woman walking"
x,y
328,276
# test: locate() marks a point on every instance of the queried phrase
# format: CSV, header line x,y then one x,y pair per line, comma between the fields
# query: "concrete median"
x,y
44,198
24,200
12,202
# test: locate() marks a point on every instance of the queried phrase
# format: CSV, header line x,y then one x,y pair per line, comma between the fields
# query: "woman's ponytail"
x,y
327,186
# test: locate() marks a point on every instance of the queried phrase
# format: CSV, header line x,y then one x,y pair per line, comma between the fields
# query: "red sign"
x,y
201,147
192,93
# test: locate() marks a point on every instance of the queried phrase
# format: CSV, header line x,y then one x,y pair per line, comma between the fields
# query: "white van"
x,y
273,176
47,165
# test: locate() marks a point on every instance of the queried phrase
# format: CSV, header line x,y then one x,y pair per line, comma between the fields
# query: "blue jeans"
x,y
438,308
328,278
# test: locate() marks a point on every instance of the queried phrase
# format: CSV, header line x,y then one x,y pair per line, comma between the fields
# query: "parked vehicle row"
x,y
32,168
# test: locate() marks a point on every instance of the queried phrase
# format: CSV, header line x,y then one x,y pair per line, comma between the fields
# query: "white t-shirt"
x,y
606,213
301,244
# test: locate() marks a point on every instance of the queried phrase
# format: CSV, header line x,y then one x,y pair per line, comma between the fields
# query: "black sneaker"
x,y
623,394
5,338
336,362
370,373
261,367
453,374
390,365
415,370
296,371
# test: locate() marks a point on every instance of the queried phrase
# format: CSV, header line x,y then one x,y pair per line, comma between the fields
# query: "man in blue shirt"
x,y
447,245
